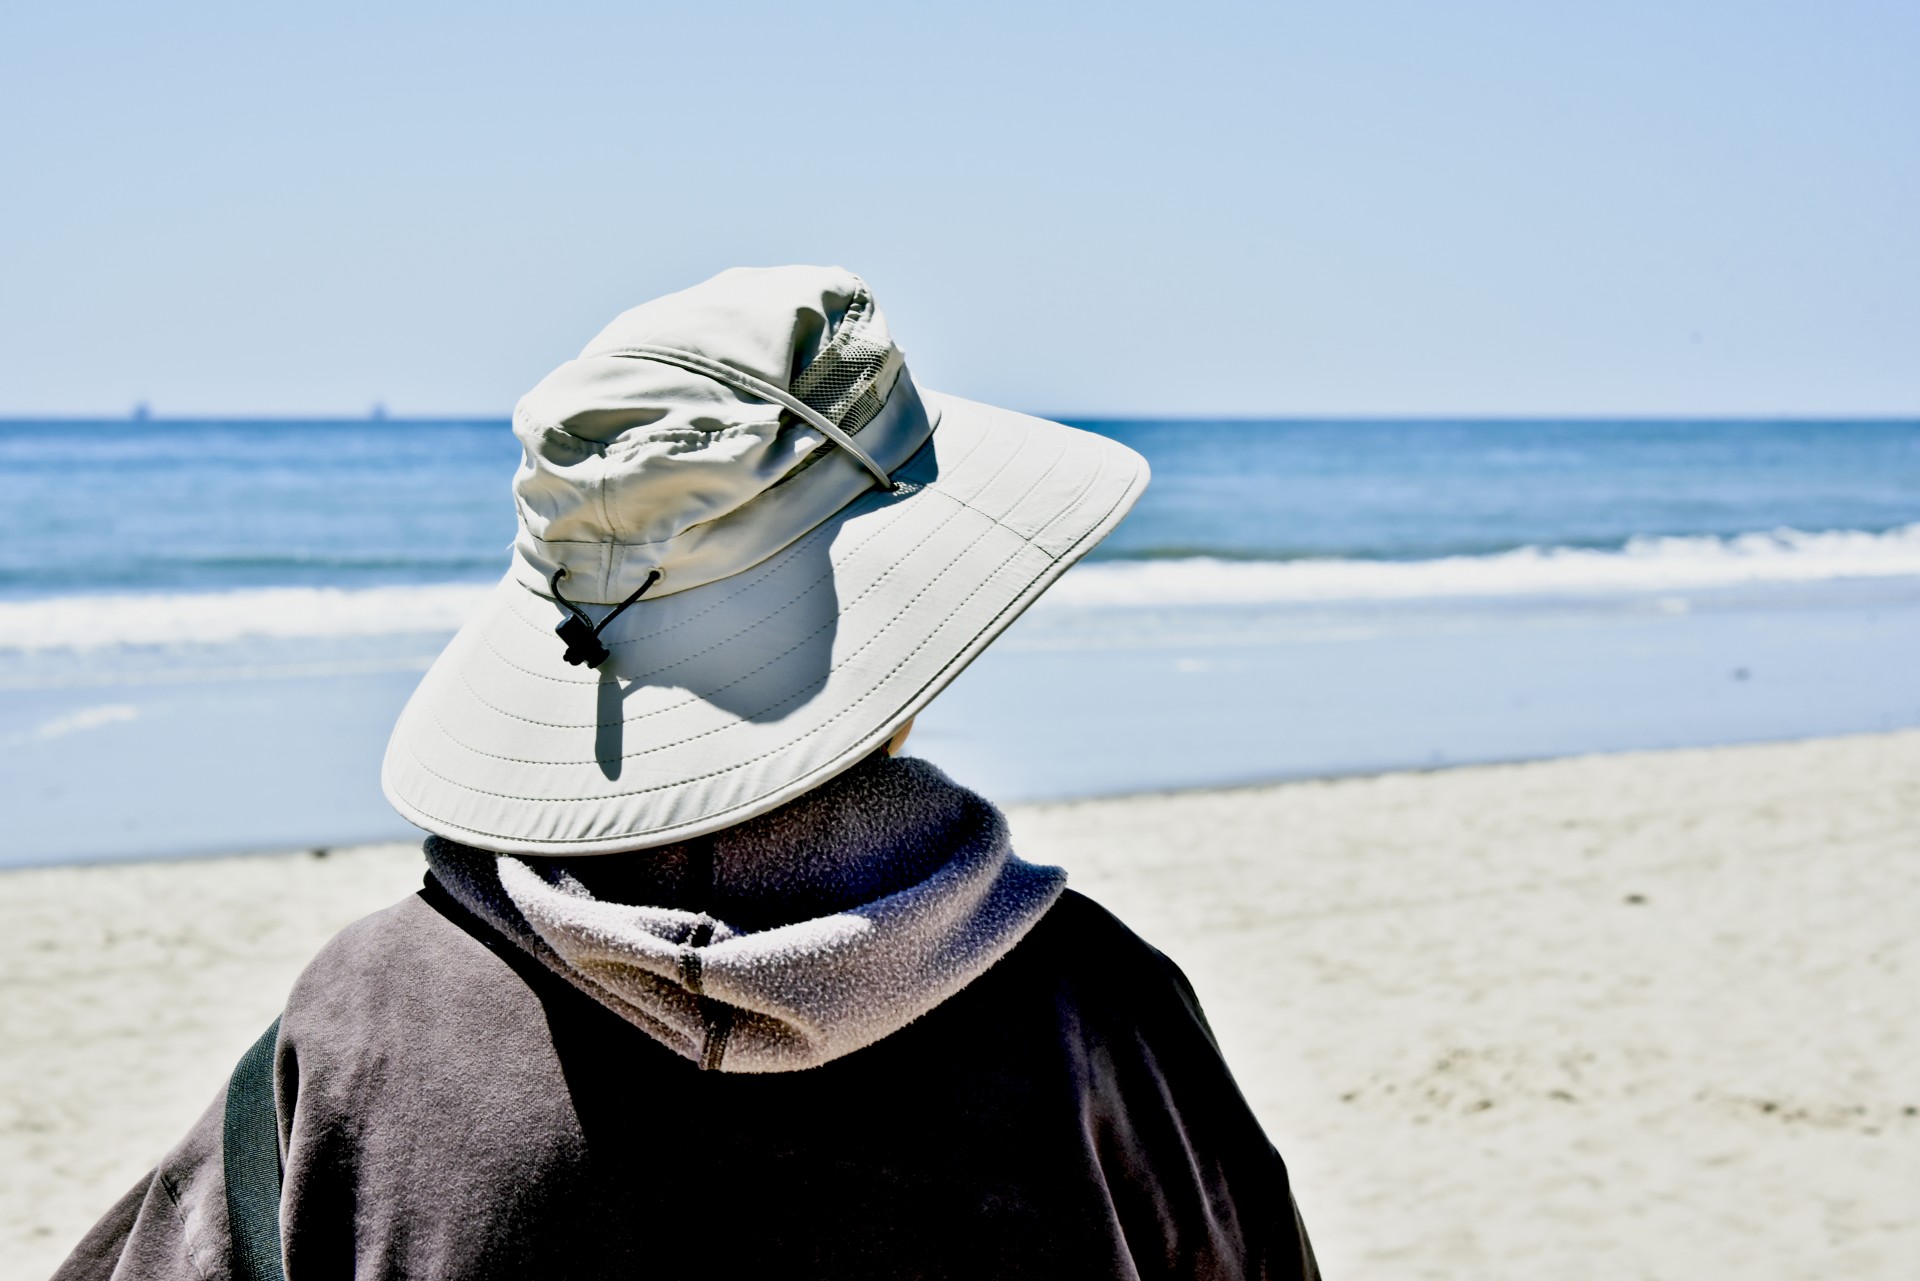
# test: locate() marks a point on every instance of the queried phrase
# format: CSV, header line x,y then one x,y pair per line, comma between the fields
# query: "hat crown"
x,y
631,463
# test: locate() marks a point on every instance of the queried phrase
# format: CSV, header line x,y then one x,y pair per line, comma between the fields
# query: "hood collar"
x,y
786,941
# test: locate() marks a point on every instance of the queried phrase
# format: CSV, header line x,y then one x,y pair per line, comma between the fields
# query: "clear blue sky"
x,y
1704,206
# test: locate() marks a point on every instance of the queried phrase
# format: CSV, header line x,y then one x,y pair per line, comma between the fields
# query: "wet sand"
x,y
1654,1014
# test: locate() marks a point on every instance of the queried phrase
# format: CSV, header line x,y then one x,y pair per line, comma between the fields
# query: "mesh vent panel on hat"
x,y
849,380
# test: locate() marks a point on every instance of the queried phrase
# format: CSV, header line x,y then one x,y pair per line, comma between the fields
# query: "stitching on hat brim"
x,y
735,724
642,838
732,769
757,623
743,719
725,817
707,695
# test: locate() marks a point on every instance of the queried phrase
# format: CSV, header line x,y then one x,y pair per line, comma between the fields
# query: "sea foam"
x,y
1643,565
211,618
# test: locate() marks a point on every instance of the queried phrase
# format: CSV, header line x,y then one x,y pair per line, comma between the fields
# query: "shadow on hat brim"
x,y
725,701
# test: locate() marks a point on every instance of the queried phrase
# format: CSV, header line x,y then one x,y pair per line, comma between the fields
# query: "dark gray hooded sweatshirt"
x,y
855,1037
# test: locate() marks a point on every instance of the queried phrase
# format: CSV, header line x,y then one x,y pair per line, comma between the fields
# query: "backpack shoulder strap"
x,y
250,1150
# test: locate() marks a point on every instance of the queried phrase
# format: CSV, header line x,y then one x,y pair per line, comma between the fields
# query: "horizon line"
x,y
1226,419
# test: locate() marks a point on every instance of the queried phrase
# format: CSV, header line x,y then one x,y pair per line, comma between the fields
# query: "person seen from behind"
x,y
705,980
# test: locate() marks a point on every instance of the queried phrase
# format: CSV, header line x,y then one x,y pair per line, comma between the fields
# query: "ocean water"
x,y
147,509
222,618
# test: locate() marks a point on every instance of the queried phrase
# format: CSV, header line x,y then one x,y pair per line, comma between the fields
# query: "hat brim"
x,y
727,700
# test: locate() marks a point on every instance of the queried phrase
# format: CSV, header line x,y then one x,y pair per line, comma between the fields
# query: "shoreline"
x,y
321,850
1071,703
1617,1013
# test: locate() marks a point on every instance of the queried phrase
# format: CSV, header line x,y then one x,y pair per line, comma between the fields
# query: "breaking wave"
x,y
1641,565
211,618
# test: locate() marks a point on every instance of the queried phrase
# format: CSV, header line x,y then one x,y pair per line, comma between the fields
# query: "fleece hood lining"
x,y
786,941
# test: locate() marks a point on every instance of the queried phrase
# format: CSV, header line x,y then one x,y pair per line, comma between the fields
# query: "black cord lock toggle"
x,y
580,633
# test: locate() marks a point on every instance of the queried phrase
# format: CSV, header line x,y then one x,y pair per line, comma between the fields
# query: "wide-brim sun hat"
x,y
786,548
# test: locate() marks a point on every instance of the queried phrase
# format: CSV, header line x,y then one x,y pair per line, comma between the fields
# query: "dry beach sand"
x,y
1650,1015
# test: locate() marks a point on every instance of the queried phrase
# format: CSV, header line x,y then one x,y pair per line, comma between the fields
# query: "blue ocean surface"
x,y
148,507
206,628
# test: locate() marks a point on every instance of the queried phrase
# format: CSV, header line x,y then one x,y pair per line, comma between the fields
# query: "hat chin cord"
x,y
582,634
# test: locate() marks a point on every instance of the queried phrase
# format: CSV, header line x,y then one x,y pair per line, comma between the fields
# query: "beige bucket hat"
x,y
749,549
